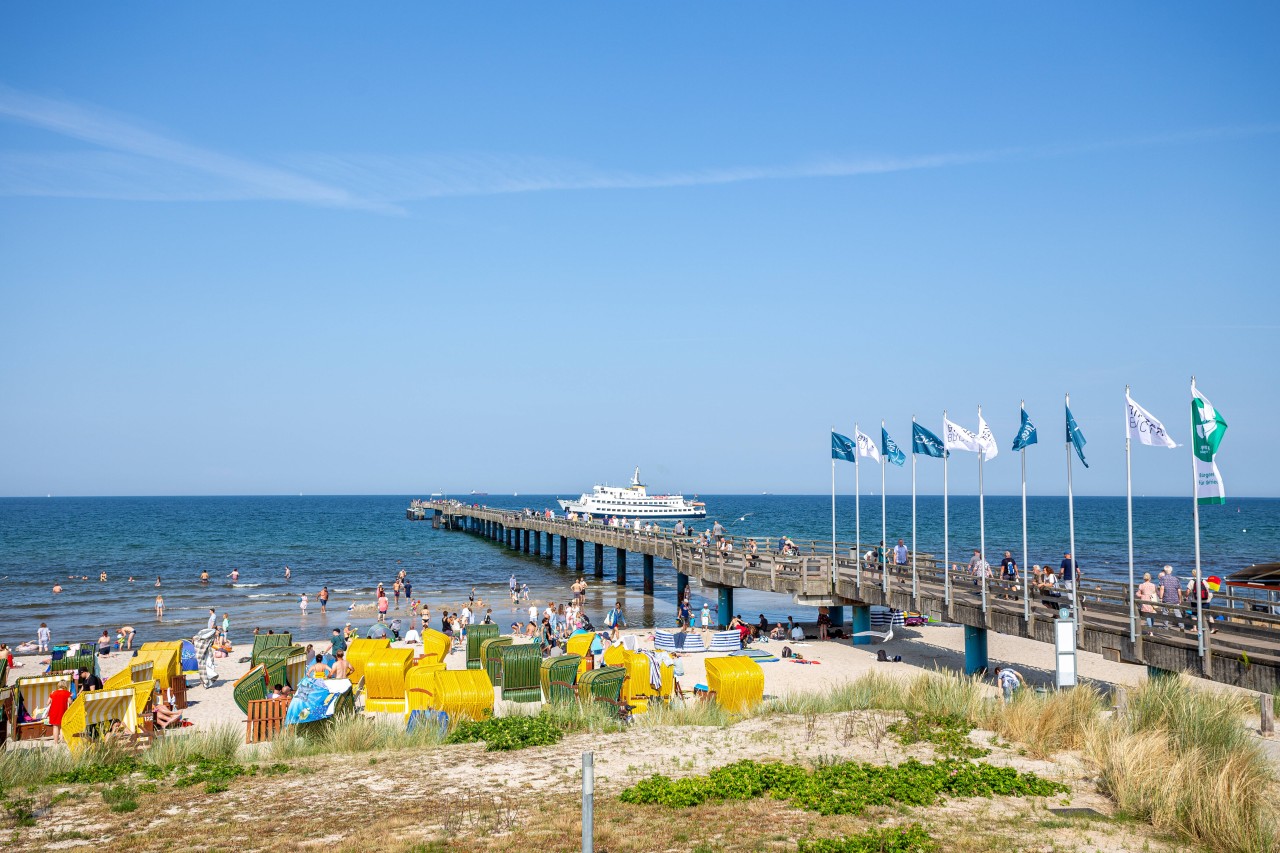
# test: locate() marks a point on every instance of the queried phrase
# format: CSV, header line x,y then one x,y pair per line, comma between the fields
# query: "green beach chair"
x,y
489,657
520,665
4,670
559,677
252,685
477,634
276,660
268,641
605,685
72,663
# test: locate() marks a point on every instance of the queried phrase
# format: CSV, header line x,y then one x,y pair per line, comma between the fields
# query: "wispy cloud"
x,y
132,162
143,164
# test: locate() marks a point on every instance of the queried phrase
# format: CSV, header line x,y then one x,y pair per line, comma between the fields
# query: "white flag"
x,y
867,447
956,437
986,441
1144,427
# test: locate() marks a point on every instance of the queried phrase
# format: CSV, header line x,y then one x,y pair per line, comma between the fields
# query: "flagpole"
x,y
1026,602
946,532
1128,494
833,518
884,541
915,579
1195,514
982,524
857,512
1071,524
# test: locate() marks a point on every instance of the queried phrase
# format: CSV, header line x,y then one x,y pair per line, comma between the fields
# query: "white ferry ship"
x,y
634,502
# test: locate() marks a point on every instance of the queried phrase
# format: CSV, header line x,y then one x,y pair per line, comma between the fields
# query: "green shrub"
x,y
843,788
949,735
892,839
507,733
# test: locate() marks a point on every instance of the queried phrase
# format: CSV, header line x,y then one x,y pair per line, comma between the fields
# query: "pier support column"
x,y
622,566
682,584
599,555
537,542
725,614
836,615
648,574
975,650
564,550
577,553
526,540
860,620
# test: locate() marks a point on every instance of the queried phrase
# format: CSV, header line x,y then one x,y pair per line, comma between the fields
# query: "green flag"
x,y
1208,427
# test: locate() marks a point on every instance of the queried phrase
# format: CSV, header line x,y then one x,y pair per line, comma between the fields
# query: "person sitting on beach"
x,y
164,715
104,645
778,632
797,633
319,669
411,636
7,656
342,667
277,692
86,680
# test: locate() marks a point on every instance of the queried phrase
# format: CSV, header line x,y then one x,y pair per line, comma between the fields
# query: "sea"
x,y
351,543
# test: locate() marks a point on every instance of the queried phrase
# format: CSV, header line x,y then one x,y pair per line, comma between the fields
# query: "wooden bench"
x,y
266,719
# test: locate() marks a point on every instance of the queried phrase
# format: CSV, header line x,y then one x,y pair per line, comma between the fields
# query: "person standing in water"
x,y
159,606
204,576
302,603
235,575
323,595
287,574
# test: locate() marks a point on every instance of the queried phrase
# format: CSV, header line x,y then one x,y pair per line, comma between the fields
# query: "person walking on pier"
x,y
900,554
1170,592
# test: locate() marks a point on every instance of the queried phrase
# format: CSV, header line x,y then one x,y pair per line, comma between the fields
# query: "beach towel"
x,y
757,655
203,644
655,670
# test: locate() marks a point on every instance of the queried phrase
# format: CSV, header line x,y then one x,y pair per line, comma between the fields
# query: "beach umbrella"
x,y
377,631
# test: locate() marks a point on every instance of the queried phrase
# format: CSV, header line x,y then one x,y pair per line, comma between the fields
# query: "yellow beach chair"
x,y
385,674
736,682
435,645
134,673
99,708
359,651
460,693
580,644
33,693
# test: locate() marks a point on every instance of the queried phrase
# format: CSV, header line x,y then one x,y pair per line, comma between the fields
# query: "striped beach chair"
x,y
605,685
675,641
436,645
92,712
33,693
71,664
489,658
384,675
459,693
276,659
132,674
477,634
267,641
559,678
250,687
725,641
360,650
520,672
736,683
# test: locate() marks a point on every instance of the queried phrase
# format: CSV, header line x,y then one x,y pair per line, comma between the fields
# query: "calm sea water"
x,y
350,543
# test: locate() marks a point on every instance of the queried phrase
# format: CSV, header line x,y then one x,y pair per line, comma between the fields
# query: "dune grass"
x,y
1181,759
1045,723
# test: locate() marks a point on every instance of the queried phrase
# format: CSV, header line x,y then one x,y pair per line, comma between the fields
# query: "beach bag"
x,y
882,656
610,618
786,651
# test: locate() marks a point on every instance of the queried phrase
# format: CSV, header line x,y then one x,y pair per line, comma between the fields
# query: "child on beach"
x,y
42,638
302,603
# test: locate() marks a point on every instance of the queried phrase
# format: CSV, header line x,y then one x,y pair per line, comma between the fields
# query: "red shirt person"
x,y
59,699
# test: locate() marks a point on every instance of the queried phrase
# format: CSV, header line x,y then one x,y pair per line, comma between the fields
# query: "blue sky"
x,y
409,248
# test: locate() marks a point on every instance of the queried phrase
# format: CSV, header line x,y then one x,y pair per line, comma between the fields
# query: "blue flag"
x,y
923,441
1026,433
890,449
842,447
1076,437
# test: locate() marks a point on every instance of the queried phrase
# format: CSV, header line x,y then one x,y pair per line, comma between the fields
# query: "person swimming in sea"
x,y
57,587
204,576
235,575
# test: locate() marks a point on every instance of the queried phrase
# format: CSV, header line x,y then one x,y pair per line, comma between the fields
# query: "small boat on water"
x,y
634,501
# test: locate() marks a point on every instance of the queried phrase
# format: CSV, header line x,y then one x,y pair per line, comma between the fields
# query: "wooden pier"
x,y
1242,650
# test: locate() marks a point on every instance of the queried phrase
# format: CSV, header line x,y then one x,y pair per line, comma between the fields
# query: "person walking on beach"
x,y
705,617
1009,680
395,589
323,595
59,699
159,606
43,638
383,605
408,588
213,618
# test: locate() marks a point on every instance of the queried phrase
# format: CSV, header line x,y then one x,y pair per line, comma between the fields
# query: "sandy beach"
x,y
831,662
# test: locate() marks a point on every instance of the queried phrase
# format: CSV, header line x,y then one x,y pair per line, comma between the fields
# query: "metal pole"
x,y
884,537
588,802
1026,602
1075,563
833,520
1128,492
857,512
946,532
1195,514
982,525
915,580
